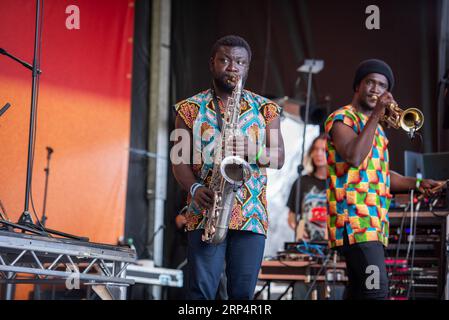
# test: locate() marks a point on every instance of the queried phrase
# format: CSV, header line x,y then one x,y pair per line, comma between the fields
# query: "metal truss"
x,y
52,261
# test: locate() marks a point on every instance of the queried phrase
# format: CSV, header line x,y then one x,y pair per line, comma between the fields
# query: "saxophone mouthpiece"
x,y
233,79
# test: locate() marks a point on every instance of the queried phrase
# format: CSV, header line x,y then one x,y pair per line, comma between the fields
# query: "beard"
x,y
222,83
364,104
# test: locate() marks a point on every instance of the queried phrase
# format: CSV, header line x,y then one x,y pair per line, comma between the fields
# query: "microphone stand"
x,y
47,174
25,218
4,108
310,67
23,63
25,222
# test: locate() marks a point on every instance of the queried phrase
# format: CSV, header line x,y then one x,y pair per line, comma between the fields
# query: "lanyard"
x,y
217,111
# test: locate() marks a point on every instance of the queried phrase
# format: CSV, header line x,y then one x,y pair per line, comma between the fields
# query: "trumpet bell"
x,y
412,119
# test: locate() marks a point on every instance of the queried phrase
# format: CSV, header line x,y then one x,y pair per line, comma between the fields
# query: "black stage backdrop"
x,y
136,220
282,34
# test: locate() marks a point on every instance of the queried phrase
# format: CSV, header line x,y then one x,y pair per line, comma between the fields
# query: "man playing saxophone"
x,y
360,180
260,144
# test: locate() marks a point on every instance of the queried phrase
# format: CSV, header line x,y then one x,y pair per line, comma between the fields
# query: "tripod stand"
x,y
25,222
310,67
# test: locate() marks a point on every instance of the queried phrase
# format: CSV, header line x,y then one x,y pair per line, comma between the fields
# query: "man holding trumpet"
x,y
360,181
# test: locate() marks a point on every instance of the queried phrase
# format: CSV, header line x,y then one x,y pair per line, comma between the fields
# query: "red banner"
x,y
83,112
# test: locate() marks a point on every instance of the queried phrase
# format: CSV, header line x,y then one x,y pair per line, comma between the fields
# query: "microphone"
x,y
49,150
5,107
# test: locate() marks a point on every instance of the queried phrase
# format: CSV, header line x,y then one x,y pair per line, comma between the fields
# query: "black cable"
x,y
444,215
401,229
325,275
334,276
398,244
312,286
413,252
150,242
413,234
421,143
443,293
310,263
414,248
283,263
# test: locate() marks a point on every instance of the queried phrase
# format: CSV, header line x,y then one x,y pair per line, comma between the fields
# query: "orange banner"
x,y
83,113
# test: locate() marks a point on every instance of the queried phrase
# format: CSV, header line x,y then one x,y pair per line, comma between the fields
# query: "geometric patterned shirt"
x,y
358,198
249,212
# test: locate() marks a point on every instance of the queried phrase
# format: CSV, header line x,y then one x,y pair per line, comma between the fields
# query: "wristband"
x,y
259,154
418,183
194,187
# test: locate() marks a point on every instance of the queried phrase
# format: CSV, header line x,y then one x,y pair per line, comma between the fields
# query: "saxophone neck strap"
x,y
217,110
216,104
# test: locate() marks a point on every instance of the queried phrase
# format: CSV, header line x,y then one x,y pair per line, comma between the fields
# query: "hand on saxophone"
x,y
203,197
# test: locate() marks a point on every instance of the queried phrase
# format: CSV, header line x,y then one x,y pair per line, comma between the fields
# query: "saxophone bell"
x,y
235,170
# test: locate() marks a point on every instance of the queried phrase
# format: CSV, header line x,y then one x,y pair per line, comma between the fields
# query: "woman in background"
x,y
312,225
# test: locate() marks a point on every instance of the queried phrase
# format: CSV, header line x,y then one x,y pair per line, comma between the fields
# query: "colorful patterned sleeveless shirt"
x,y
198,112
358,198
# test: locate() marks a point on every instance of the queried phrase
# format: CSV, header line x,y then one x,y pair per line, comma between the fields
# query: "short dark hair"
x,y
231,41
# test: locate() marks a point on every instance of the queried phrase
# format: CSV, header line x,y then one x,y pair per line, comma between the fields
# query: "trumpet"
x,y
410,120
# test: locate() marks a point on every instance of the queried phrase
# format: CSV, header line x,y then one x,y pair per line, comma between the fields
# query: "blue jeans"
x,y
242,251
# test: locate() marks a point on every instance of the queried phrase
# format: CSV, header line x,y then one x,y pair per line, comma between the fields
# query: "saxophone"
x,y
229,173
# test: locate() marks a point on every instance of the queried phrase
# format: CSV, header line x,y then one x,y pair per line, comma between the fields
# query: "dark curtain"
x,y
282,34
136,220
273,29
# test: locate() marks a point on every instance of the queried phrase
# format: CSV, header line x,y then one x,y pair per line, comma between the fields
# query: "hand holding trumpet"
x,y
382,103
388,111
